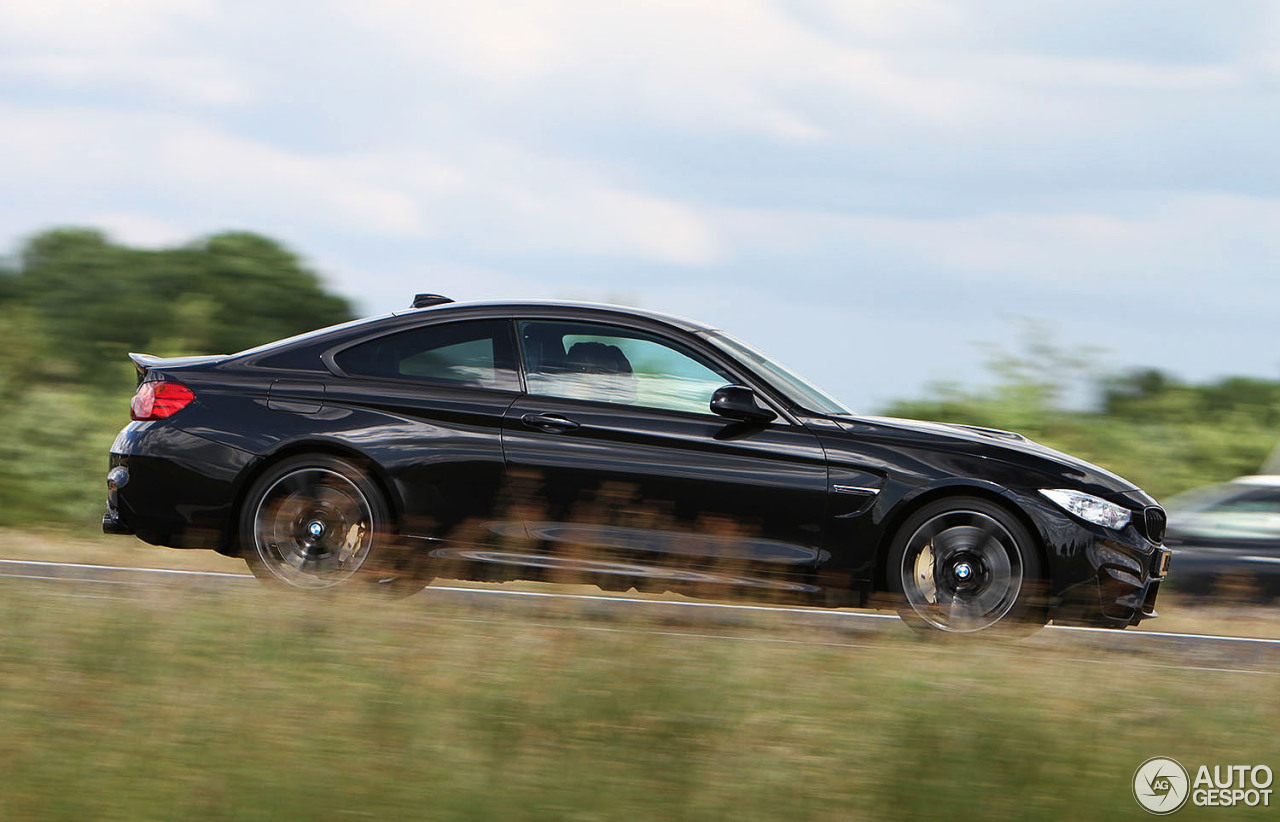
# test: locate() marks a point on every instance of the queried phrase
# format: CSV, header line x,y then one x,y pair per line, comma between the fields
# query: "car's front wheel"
x,y
317,522
965,565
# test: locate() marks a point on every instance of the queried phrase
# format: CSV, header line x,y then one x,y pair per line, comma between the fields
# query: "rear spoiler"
x,y
146,362
143,362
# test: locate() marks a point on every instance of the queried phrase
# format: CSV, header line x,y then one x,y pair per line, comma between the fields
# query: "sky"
x,y
862,188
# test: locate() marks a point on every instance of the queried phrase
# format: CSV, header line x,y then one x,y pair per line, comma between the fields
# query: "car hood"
x,y
1006,446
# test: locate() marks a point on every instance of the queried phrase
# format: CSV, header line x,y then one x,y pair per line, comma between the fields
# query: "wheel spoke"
x,y
962,571
297,483
959,614
339,498
313,528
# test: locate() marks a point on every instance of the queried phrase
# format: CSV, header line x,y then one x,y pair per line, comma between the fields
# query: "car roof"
x,y
517,306
559,309
1269,480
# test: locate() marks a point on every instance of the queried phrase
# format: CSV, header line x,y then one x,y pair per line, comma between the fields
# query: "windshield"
x,y
796,388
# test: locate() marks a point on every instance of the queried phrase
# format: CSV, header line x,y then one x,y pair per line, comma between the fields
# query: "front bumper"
x,y
1121,590
1101,577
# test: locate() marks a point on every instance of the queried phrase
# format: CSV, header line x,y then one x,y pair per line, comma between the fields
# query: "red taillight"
x,y
158,399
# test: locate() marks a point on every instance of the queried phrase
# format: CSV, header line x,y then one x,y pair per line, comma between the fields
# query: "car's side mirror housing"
x,y
738,402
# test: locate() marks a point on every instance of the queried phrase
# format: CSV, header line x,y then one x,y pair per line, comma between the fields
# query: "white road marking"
x,y
774,609
120,568
814,611
1168,634
72,579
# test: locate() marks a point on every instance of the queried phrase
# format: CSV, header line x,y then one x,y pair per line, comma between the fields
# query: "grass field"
x,y
182,703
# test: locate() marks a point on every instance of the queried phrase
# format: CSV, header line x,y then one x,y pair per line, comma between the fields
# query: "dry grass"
x,y
59,545
178,703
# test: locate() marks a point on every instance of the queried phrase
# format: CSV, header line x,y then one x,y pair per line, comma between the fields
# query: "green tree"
x,y
1163,434
100,300
72,304
259,291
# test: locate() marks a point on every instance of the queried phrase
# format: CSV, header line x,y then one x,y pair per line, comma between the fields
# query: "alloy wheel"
x,y
962,571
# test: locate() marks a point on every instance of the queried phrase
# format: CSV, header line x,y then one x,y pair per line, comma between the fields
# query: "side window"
x,y
1261,502
610,364
1248,513
476,353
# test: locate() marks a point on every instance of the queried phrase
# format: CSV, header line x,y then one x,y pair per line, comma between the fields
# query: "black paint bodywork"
x,y
799,508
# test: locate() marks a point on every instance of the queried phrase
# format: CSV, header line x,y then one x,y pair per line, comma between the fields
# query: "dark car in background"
x,y
625,448
1227,537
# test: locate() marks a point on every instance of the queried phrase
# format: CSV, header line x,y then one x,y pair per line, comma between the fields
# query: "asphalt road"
x,y
704,621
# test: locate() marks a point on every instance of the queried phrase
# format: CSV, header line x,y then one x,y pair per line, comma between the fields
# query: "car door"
x,y
426,404
618,464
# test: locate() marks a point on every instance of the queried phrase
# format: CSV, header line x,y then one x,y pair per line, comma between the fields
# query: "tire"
x,y
965,565
316,523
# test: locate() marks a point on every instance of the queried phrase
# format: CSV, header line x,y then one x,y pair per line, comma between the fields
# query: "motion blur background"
x,y
1058,217
1061,218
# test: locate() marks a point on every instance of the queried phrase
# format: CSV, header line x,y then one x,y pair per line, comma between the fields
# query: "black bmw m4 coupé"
x,y
629,449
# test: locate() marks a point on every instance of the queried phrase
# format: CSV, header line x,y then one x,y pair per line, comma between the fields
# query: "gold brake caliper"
x,y
924,575
354,535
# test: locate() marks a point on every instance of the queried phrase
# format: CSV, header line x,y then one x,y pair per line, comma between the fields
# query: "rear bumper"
x,y
111,524
169,487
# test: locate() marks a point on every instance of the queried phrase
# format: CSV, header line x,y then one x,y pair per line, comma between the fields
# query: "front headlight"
x,y
1089,508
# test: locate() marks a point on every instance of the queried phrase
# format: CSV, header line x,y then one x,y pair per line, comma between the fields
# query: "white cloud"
x,y
487,197
1043,72
582,217
357,192
1176,241
140,230
141,44
202,169
498,42
903,22
96,24
850,72
393,287
730,65
199,80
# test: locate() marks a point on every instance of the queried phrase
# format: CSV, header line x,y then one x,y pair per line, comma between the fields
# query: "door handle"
x,y
550,423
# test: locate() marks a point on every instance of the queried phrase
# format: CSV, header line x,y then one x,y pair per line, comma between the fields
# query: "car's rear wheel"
x,y
318,522
965,565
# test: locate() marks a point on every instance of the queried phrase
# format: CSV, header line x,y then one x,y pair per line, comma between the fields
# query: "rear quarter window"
x,y
477,353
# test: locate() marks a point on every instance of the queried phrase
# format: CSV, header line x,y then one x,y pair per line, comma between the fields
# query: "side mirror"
x,y
738,402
